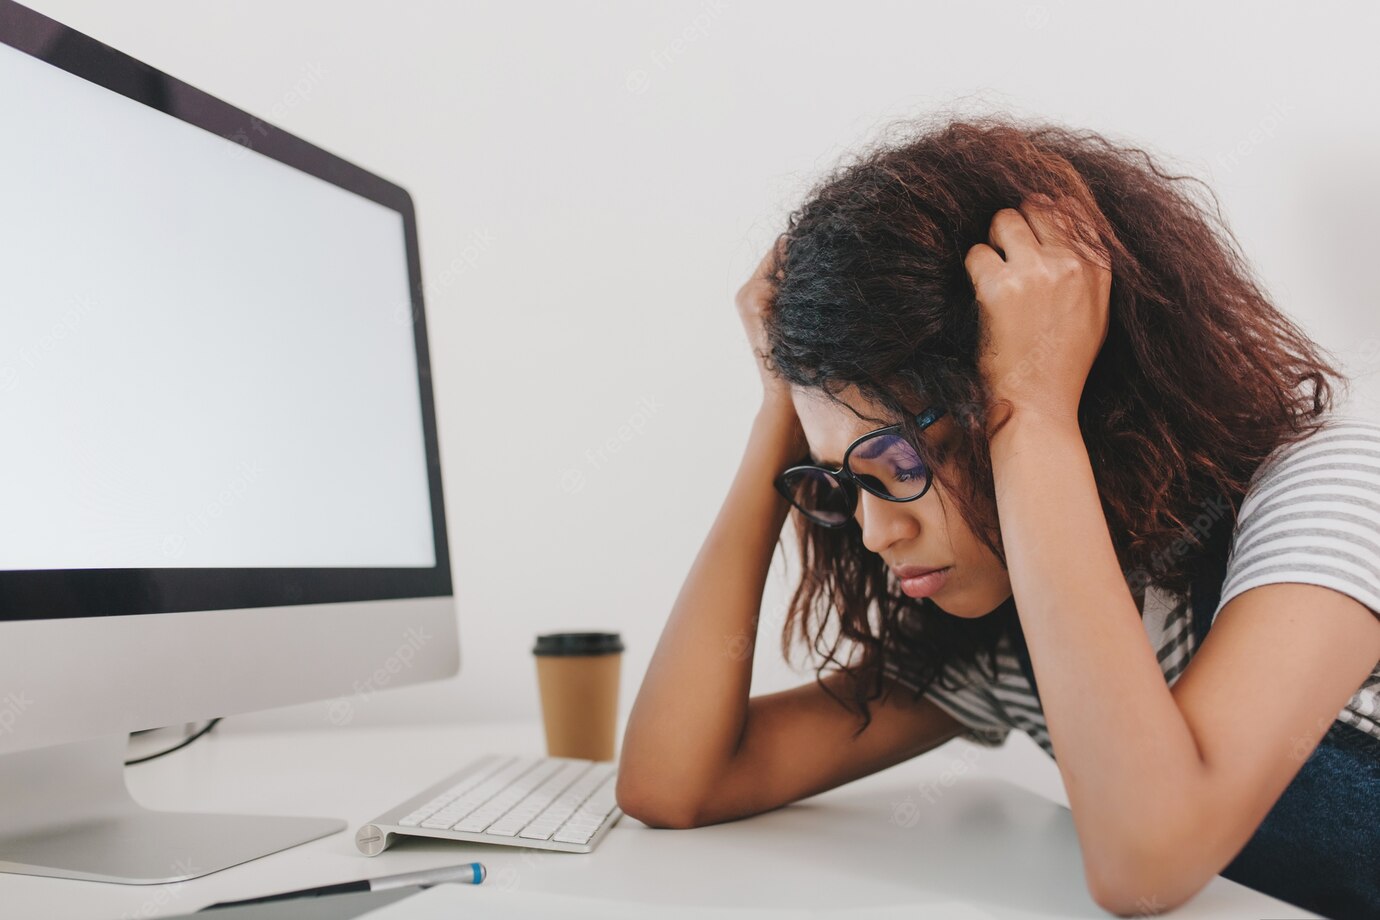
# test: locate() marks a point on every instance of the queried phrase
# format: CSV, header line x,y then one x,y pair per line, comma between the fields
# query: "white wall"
x,y
595,180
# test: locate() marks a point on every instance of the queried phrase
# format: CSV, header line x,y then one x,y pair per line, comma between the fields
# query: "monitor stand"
x,y
65,812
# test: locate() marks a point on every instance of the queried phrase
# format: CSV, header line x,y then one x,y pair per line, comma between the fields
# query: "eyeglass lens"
x,y
885,464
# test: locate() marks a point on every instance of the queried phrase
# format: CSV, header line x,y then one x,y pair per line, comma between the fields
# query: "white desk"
x,y
944,826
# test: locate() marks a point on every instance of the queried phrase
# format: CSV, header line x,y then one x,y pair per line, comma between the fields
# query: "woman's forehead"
x,y
830,426
847,410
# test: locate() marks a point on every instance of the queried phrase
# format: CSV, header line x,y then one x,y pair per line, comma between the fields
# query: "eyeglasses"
x,y
884,462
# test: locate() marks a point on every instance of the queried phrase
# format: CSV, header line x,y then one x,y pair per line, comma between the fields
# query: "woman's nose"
x,y
884,522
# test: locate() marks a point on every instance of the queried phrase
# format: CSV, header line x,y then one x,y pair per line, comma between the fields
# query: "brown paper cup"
x,y
577,676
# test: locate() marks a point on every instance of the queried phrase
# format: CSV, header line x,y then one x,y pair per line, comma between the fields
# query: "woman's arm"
x,y
697,750
1165,787
691,709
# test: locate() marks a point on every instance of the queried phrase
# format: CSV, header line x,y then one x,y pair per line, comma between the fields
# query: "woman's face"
x,y
919,532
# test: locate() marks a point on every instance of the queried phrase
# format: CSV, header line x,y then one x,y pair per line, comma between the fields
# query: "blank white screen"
x,y
206,356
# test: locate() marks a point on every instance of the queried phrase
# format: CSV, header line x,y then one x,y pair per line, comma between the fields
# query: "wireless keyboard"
x,y
550,803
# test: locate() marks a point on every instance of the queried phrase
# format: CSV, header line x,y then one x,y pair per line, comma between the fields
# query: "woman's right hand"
x,y
754,302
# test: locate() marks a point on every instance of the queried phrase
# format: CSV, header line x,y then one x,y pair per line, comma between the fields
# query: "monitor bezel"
x,y
90,592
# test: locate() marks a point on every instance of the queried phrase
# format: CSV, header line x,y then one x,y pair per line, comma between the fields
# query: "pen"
x,y
469,873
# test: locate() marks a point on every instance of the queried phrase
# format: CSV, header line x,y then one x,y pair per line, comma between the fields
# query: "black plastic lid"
x,y
578,643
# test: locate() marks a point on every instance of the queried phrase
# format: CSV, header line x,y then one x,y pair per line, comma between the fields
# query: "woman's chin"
x,y
952,609
956,608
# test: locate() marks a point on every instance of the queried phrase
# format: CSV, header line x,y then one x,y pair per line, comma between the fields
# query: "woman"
x,y
1165,565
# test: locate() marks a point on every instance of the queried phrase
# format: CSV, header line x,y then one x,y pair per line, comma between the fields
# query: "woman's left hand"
x,y
1043,309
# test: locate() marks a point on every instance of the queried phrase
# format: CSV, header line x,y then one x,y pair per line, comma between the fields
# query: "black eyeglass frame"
x,y
851,483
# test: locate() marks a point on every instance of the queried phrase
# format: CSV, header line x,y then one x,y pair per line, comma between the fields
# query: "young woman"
x,y
1056,463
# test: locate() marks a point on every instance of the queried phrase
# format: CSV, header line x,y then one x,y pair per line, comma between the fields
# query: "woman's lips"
x,y
925,585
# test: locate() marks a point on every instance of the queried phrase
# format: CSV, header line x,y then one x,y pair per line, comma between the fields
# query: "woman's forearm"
x,y
1125,752
690,711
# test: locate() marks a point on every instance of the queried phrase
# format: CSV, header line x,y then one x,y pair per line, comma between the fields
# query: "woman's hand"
x,y
1044,310
754,302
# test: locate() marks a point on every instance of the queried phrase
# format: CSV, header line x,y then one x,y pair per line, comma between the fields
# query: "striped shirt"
x,y
1310,514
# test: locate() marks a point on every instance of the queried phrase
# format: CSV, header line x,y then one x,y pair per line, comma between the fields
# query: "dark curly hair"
x,y
1199,379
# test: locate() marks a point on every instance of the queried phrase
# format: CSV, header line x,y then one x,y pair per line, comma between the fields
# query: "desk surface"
x,y
953,824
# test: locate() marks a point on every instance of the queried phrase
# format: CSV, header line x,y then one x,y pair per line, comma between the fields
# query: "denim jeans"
x,y
1319,846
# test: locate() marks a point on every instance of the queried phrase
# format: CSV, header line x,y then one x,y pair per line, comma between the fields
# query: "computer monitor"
x,y
220,486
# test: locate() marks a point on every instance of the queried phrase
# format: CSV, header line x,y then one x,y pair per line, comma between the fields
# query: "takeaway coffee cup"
x,y
577,676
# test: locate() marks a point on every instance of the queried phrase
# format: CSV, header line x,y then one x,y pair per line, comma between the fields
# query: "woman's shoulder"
x,y
1311,514
1341,438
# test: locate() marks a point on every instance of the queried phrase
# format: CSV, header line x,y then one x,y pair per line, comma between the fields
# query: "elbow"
x,y
654,810
1144,861
1132,900
1142,880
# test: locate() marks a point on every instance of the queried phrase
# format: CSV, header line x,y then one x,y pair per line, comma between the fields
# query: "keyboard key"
x,y
457,811
481,770
535,802
574,834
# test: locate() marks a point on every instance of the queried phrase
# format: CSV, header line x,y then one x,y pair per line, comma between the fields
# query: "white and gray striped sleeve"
x,y
1312,516
980,718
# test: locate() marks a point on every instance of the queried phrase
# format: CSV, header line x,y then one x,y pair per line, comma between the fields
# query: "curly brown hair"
x,y
1201,377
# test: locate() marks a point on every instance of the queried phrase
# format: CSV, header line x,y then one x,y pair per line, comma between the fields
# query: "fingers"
x,y
1011,234
1055,227
756,294
778,253
771,264
764,267
981,260
1035,222
1048,223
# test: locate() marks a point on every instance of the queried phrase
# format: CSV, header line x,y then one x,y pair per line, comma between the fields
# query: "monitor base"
x,y
66,813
